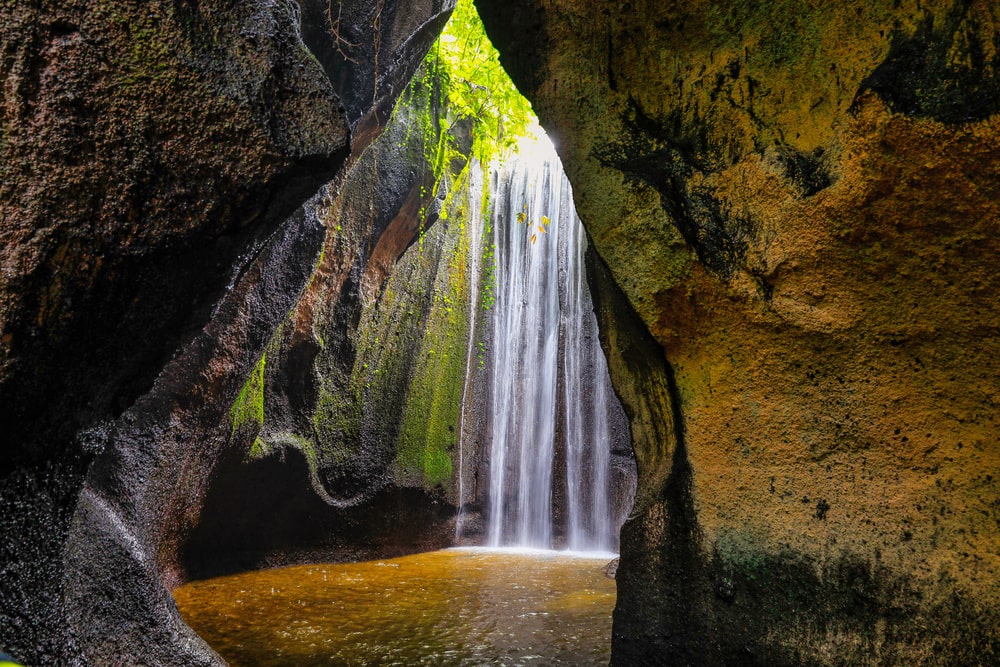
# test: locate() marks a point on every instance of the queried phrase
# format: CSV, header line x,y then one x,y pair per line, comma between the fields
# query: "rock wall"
x,y
353,417
795,206
153,160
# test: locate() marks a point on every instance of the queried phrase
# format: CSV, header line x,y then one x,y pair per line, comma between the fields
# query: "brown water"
x,y
452,607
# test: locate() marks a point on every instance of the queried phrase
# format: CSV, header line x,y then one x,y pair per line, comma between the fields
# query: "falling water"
x,y
543,306
474,254
588,437
525,349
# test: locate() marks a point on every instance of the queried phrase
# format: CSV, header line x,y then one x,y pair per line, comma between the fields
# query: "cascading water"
x,y
474,254
525,352
545,344
588,436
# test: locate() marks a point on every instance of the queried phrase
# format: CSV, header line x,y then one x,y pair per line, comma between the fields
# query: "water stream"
x,y
588,436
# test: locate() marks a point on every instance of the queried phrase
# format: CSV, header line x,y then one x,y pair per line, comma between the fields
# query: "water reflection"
x,y
452,607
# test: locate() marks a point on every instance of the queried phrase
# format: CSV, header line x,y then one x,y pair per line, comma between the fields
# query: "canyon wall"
x,y
349,423
793,209
154,163
793,215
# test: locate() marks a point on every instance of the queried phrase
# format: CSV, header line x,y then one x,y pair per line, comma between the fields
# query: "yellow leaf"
x,y
521,217
542,229
534,237
545,220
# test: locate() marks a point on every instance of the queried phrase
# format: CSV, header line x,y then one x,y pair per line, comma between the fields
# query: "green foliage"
x,y
477,87
461,105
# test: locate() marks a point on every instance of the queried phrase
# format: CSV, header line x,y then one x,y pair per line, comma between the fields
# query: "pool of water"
x,y
451,607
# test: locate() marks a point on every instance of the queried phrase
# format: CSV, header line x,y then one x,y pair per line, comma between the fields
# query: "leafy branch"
x,y
477,86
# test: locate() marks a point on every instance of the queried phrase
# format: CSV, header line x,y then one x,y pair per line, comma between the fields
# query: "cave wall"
x,y
154,162
353,414
797,202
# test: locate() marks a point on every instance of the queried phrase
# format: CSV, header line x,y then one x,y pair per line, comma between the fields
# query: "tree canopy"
x,y
477,86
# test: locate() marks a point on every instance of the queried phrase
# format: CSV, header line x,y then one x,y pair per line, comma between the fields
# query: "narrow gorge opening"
x,y
442,387
543,474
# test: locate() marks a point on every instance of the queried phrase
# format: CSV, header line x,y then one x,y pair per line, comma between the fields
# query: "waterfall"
x,y
524,354
588,436
545,345
474,253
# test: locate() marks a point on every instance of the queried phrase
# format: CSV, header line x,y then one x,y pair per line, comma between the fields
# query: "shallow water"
x,y
452,607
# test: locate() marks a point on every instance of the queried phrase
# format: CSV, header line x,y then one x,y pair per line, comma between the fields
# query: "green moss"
x,y
437,466
429,434
337,422
259,449
248,409
488,289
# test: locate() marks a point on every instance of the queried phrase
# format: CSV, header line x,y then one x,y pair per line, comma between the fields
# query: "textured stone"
x,y
794,208
798,203
329,437
153,156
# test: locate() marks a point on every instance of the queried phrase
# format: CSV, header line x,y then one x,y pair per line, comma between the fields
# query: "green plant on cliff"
x,y
248,408
476,86
467,107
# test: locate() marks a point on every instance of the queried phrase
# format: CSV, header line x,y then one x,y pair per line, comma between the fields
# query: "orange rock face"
x,y
799,203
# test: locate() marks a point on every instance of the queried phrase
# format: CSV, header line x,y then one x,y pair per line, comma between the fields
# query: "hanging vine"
x,y
339,40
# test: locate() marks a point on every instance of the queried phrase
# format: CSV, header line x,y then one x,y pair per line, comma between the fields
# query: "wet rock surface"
x,y
153,158
793,209
326,440
798,204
